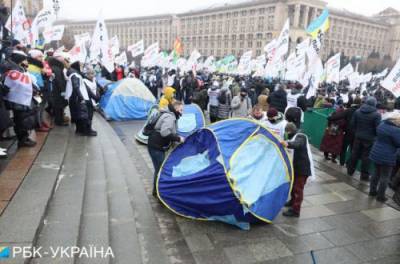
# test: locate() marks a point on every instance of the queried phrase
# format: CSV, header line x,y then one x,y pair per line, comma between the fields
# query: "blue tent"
x,y
234,171
128,99
191,121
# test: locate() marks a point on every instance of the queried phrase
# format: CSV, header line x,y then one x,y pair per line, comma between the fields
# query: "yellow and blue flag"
x,y
319,25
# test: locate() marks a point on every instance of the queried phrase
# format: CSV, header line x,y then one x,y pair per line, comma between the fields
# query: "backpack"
x,y
151,123
222,97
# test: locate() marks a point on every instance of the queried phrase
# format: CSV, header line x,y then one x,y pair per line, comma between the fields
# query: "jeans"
x,y
381,177
297,192
361,149
157,157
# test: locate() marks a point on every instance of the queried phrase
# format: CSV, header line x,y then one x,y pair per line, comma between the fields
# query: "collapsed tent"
x,y
128,99
234,171
191,120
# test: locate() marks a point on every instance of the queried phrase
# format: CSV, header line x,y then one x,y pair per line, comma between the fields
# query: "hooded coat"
x,y
262,101
278,100
365,121
59,83
387,143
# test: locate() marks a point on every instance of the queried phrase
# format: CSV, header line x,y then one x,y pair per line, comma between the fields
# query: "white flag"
x,y
54,33
20,25
270,48
84,37
137,48
114,45
121,59
151,55
43,20
244,66
346,71
315,71
333,69
78,53
100,48
392,81
301,48
192,61
283,41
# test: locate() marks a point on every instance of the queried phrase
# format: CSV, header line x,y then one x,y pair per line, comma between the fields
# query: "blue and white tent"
x,y
234,171
128,99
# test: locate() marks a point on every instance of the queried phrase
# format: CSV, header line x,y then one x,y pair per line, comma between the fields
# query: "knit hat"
x,y
371,101
35,53
18,56
272,112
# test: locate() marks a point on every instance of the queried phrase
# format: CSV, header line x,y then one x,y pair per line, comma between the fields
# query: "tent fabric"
x,y
128,99
234,171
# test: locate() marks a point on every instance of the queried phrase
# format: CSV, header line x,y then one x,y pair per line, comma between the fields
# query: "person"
x,y
118,73
262,100
91,86
276,123
163,135
332,140
241,105
79,101
167,98
19,91
57,101
224,102
302,166
257,114
189,84
383,155
213,95
365,121
278,99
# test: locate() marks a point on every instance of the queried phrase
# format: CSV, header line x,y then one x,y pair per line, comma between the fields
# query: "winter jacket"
x,y
277,128
224,110
387,143
213,94
278,100
241,108
365,121
165,130
79,99
262,101
59,83
301,161
347,116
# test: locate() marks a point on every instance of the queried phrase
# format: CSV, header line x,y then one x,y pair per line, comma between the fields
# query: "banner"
x,y
20,85
296,68
54,33
114,45
84,37
136,49
121,59
78,53
151,55
100,48
20,25
244,63
333,69
43,20
317,29
346,71
392,81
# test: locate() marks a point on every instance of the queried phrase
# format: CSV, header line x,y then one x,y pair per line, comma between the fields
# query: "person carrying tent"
x,y
165,133
167,98
302,166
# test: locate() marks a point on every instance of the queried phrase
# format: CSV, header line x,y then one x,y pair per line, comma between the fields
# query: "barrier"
x,y
315,122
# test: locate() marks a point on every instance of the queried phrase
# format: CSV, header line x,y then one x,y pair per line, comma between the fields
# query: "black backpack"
x,y
151,123
222,97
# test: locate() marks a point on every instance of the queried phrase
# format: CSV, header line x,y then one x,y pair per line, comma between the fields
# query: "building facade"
x,y
32,7
237,28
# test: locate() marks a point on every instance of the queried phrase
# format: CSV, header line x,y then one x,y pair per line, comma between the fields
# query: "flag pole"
x,y
12,35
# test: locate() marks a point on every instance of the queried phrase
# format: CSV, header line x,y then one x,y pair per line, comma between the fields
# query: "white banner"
x,y
78,53
44,19
20,25
392,81
136,49
346,71
84,37
333,69
114,45
121,59
100,48
54,33
20,85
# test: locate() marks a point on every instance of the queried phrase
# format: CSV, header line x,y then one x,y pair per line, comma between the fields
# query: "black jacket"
x,y
301,161
59,83
365,121
278,100
346,115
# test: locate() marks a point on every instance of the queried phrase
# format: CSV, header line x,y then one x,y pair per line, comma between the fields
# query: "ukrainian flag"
x,y
321,24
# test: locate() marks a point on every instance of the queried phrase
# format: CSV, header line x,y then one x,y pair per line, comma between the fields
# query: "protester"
x,y
167,98
224,103
383,154
302,166
213,94
278,99
164,134
241,104
365,121
276,123
257,114
91,86
189,84
262,101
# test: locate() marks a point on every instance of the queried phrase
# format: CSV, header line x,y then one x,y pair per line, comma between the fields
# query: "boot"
x,y
291,213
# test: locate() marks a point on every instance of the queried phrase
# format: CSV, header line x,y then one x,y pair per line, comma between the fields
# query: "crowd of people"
x,y
37,86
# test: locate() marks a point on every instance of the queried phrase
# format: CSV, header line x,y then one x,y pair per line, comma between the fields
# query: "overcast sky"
x,y
89,9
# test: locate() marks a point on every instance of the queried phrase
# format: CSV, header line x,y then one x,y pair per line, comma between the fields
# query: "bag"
x,y
333,130
151,123
222,97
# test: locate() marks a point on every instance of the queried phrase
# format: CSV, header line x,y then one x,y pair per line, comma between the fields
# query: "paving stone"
x,y
383,229
323,199
306,243
315,211
386,260
199,243
273,249
354,205
348,220
240,255
295,259
303,227
211,257
337,187
382,214
341,237
336,256
376,249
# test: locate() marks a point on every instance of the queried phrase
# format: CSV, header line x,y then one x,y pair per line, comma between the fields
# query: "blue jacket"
x,y
365,121
387,143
